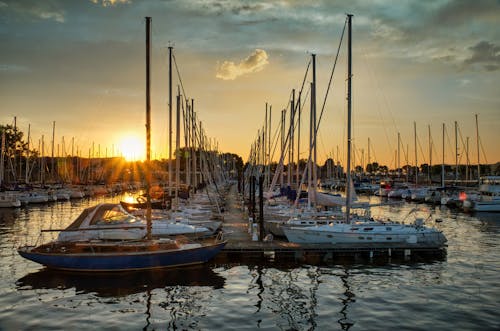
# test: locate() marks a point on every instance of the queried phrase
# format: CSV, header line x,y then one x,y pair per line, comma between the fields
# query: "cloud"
x,y
485,54
255,62
13,68
108,3
38,9
458,12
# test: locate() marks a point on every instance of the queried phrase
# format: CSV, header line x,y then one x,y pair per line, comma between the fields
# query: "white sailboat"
x,y
365,230
108,221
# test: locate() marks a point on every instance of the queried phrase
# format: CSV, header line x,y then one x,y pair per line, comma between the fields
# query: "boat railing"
x,y
96,229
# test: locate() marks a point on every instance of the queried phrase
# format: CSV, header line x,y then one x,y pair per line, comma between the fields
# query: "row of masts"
x,y
261,152
200,153
463,169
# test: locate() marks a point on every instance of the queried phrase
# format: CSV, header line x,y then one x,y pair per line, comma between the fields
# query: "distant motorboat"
x,y
32,197
488,199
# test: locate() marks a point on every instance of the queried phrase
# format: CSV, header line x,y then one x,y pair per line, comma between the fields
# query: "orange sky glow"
x,y
81,64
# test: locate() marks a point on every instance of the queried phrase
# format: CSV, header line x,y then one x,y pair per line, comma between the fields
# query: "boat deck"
x,y
241,247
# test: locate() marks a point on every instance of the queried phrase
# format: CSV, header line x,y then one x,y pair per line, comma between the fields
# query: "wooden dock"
x,y
241,247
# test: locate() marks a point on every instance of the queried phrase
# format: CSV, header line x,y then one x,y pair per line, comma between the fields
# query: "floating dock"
x,y
242,246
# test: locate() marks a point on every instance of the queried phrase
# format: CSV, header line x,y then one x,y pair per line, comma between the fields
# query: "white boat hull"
x,y
366,233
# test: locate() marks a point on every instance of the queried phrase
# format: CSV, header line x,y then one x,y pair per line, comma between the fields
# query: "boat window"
x,y
388,228
329,236
354,229
110,216
369,238
361,237
367,229
389,238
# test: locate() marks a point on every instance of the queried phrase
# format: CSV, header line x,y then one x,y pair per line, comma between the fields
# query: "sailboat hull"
x,y
145,257
365,234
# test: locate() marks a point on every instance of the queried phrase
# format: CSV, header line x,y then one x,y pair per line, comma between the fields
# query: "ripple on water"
x,y
460,292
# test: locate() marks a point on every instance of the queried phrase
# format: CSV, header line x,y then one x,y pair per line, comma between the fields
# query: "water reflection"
x,y
123,284
8,216
345,322
490,222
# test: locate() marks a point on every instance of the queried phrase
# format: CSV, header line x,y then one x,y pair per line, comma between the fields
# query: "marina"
x,y
216,175
321,294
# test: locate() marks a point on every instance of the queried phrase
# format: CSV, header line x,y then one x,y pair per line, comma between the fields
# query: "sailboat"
x,y
365,230
122,253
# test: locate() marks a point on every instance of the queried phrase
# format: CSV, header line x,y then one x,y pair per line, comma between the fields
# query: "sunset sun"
x,y
132,148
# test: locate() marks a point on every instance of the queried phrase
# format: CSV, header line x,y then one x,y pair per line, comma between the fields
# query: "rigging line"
x,y
372,150
404,150
304,102
448,140
482,149
179,75
331,76
463,147
299,97
327,90
421,150
323,107
274,142
304,79
383,98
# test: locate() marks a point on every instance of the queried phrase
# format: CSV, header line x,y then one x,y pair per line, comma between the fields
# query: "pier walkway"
x,y
241,247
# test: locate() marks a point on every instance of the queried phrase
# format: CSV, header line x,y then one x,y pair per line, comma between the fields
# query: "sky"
x,y
81,64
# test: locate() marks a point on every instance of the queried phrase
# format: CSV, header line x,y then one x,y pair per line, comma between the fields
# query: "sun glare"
x,y
132,148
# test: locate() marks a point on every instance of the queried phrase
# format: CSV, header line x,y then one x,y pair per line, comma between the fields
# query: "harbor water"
x,y
457,292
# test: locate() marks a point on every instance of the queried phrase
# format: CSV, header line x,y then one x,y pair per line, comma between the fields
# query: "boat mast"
x,y
416,160
456,152
477,142
442,163
368,161
292,140
315,128
26,176
298,143
282,129
430,156
42,162
177,146
148,126
170,121
193,144
309,162
399,155
349,86
52,170
2,158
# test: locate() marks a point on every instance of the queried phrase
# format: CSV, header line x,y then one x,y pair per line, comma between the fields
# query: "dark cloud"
x,y
108,3
486,55
221,7
460,12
